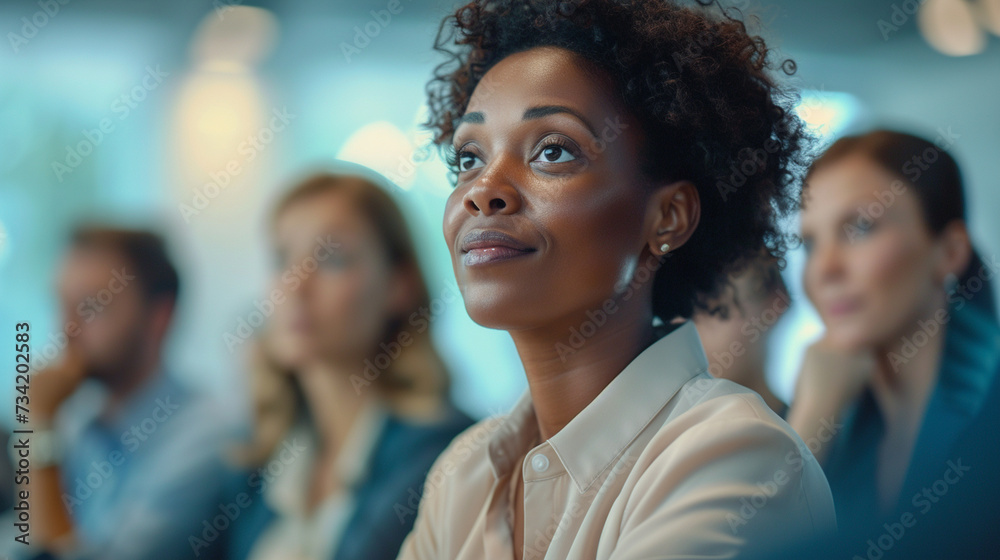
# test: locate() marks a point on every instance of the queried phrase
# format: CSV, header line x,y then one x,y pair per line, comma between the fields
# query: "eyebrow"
x,y
478,117
475,117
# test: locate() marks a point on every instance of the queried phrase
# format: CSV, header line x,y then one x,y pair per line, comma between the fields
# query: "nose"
x,y
826,263
493,192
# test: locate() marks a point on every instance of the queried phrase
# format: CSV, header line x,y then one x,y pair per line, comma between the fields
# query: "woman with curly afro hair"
x,y
614,161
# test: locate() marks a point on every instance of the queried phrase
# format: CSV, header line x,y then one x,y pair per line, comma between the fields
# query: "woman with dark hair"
x,y
591,141
912,343
350,397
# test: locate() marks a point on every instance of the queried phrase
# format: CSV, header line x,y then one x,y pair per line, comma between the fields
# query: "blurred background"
x,y
191,116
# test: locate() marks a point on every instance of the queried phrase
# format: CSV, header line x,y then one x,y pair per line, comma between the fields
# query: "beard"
x,y
117,367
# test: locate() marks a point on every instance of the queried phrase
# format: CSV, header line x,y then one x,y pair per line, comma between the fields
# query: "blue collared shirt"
x,y
139,482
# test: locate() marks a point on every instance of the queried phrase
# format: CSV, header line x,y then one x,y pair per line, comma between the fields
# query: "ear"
x,y
673,214
955,251
161,314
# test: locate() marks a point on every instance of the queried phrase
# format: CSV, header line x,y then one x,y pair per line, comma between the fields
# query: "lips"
x,y
490,245
842,307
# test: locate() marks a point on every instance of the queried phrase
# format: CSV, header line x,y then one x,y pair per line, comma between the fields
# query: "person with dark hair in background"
x,y
912,341
126,462
588,143
350,396
735,331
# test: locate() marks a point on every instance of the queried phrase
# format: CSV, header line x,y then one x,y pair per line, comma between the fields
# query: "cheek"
x,y
713,334
596,239
350,303
891,266
109,329
453,212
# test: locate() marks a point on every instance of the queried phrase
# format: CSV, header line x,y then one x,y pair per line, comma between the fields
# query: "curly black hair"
x,y
703,88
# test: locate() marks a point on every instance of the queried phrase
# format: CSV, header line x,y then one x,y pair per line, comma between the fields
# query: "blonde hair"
x,y
415,384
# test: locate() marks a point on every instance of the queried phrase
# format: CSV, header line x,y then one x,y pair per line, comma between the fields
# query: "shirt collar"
x,y
160,390
592,440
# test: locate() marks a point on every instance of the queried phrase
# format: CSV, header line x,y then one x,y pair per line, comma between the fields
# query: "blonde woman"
x,y
350,395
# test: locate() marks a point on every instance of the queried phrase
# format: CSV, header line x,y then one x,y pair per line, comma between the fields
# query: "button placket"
x,y
541,485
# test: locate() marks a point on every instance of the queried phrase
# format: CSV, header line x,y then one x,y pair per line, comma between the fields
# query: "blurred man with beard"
x,y
126,462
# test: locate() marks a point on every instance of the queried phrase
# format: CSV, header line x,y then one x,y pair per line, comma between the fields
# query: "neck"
x,y
564,376
906,372
332,401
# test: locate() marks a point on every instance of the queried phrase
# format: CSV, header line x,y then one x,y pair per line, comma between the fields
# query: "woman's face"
x,y
336,280
871,268
549,208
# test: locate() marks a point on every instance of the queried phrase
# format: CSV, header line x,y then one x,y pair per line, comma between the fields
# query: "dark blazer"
x,y
949,504
386,500
969,366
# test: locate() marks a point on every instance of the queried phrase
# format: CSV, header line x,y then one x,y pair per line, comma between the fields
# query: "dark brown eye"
x,y
467,161
555,154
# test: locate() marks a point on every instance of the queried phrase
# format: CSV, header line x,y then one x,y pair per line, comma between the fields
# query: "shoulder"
x,y
183,430
719,406
196,416
730,419
722,445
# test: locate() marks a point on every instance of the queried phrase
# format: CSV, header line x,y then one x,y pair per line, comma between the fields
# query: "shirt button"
x,y
539,462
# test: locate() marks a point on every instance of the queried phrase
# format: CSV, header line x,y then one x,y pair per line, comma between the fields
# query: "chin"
x,y
497,313
852,337
109,376
491,318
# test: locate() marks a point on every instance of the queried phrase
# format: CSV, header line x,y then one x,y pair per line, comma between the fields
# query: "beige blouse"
x,y
667,462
